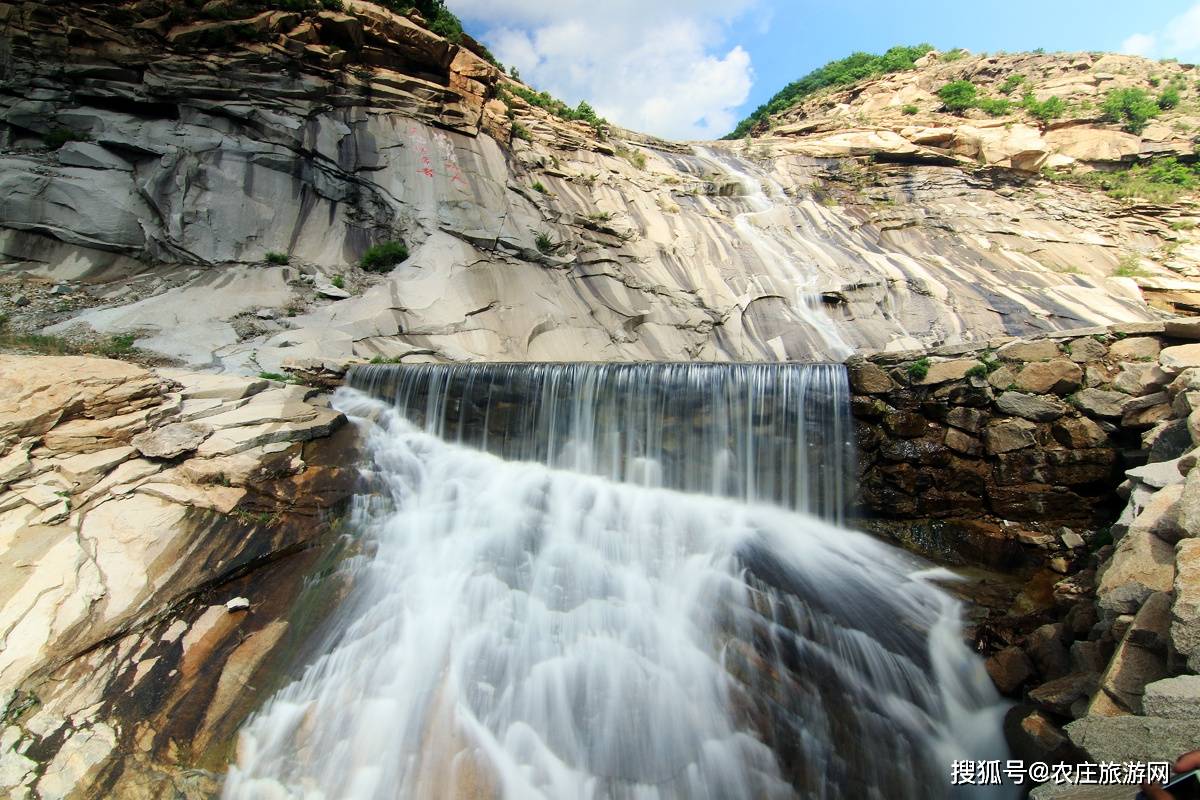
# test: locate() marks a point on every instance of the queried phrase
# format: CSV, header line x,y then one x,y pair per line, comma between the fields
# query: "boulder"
x,y
1157,474
1039,350
1140,565
1088,656
1086,349
1135,349
1185,611
1128,738
1161,515
964,418
1030,407
1057,696
1173,698
1141,378
1078,433
1140,658
1183,356
869,379
1101,403
171,441
1009,669
1047,649
1188,510
1085,143
943,371
1183,328
905,424
961,442
1008,435
1059,376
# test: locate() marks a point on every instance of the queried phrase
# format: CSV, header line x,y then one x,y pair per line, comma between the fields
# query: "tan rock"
x,y
1141,565
1183,328
86,469
1093,144
1059,376
171,441
1037,350
1009,669
1135,349
944,371
1185,611
1183,356
869,379
1086,349
1078,433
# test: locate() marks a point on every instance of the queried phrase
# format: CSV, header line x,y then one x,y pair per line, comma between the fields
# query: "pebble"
x,y
20,301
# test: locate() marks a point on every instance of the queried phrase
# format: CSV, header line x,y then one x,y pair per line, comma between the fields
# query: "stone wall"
x,y
1068,458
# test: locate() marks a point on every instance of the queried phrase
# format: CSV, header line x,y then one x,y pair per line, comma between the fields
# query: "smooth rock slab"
x,y
1183,356
171,441
1101,402
1142,347
1186,328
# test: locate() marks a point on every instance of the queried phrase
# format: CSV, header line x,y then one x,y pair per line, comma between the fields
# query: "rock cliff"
x,y
151,161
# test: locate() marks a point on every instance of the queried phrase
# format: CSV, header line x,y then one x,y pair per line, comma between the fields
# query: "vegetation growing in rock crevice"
x,y
842,72
383,256
582,112
1132,107
1162,180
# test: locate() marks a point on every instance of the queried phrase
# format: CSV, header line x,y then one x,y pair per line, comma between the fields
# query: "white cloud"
x,y
660,67
1179,38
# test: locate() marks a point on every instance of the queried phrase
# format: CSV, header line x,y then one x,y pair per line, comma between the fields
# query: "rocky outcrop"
x,y
986,465
323,133
149,573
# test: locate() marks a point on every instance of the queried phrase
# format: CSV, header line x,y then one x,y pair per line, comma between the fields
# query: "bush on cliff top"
x,y
958,96
843,72
1133,108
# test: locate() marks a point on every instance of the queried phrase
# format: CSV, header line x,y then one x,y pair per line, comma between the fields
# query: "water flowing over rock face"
x,y
203,160
523,630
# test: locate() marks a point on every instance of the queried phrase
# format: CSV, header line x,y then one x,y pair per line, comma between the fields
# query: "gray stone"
x,y
329,290
171,441
1087,349
1088,656
1139,379
20,300
1101,403
1009,435
1188,512
1072,540
1129,738
1173,698
1158,474
964,418
1031,407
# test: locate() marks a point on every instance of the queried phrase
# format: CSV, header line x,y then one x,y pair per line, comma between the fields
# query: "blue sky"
x,y
689,69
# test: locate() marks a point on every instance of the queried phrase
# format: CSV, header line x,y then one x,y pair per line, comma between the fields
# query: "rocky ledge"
x,y
155,531
1020,455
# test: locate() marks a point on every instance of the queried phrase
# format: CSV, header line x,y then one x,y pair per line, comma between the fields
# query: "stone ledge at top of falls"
x,y
126,662
201,160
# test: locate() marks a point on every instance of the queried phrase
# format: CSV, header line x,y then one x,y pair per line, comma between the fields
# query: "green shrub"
x,y
909,110
1011,83
382,257
274,376
977,371
279,259
1162,180
333,5
1133,108
116,346
843,72
338,282
1044,110
582,112
956,54
60,136
1129,266
918,369
958,96
519,131
1177,225
1169,98
539,187
545,244
994,106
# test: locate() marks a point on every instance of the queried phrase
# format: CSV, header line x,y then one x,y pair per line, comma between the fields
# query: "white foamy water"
x,y
540,629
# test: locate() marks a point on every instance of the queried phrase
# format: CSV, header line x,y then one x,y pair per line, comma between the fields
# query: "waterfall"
x,y
602,581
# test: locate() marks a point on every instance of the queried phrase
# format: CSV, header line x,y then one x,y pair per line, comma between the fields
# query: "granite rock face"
x,y
196,161
124,668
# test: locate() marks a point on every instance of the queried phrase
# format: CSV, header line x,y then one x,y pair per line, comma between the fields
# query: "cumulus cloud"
x,y
1179,38
664,68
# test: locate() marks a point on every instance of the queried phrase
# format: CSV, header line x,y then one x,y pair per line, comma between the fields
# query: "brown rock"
x,y
1086,349
1078,433
943,371
1141,565
1039,350
1009,669
961,442
1047,649
1059,376
964,418
1183,328
905,424
1057,696
869,379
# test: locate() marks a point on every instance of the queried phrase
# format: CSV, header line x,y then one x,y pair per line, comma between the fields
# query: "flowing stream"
x,y
619,581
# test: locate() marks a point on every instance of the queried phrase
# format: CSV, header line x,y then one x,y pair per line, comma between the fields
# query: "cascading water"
x,y
599,581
